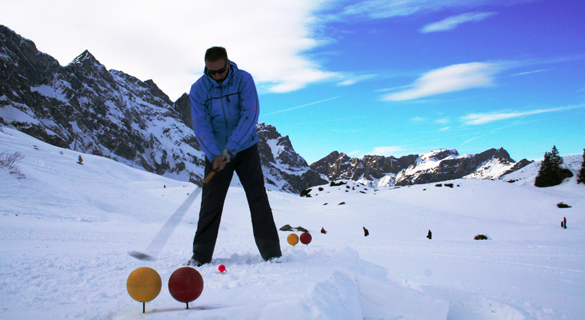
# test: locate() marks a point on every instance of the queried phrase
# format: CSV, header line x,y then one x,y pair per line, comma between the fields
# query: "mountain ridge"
x,y
88,108
433,166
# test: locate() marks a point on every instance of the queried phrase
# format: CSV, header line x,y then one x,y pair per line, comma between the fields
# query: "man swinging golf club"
x,y
225,109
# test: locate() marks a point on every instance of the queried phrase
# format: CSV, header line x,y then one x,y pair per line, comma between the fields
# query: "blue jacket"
x,y
225,114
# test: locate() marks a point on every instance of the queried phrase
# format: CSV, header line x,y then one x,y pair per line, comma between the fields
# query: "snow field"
x,y
66,228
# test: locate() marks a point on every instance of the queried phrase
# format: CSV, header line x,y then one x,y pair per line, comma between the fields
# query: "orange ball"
x,y
144,284
292,239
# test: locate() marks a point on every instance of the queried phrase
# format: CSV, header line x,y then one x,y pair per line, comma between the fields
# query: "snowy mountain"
x,y
86,107
66,228
433,166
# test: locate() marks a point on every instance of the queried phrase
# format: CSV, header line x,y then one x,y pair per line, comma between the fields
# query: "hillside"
x,y
66,228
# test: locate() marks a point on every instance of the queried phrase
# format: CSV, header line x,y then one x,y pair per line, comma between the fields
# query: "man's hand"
x,y
219,163
228,155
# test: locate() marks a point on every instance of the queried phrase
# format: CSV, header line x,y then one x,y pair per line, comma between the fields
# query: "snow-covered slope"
x,y
66,228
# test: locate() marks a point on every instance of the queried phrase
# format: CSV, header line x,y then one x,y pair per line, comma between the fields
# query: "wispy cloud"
x,y
445,128
452,78
528,72
304,105
453,22
380,9
355,79
483,118
387,151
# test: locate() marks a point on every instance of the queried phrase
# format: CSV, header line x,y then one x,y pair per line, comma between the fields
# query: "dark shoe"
x,y
275,259
194,262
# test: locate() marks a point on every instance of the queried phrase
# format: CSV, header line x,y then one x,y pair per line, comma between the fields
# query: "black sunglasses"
x,y
222,70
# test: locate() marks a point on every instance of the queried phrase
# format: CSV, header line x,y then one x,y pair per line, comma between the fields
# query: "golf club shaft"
x,y
167,230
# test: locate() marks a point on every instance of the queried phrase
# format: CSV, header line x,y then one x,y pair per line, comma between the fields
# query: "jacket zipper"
x,y
224,113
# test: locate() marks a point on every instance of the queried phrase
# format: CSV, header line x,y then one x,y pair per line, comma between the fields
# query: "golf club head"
x,y
141,256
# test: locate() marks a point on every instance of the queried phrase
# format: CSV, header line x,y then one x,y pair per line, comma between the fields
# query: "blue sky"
x,y
384,77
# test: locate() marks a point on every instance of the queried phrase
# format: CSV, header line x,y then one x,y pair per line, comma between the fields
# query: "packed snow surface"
x,y
66,230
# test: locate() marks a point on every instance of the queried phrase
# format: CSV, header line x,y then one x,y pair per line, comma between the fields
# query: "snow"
x,y
65,230
13,114
50,92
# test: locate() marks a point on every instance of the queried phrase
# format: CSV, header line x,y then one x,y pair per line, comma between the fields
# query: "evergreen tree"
x,y
581,175
551,173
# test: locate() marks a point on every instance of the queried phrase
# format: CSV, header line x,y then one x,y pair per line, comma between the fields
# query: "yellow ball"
x,y
144,284
292,239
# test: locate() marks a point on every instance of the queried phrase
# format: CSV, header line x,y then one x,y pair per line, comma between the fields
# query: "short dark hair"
x,y
216,53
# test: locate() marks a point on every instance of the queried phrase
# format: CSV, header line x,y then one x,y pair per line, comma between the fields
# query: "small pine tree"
x,y
80,160
551,173
581,175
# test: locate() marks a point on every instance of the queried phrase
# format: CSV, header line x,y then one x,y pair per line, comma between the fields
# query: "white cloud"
x,y
166,40
453,22
528,72
452,78
387,151
351,80
303,105
380,9
483,118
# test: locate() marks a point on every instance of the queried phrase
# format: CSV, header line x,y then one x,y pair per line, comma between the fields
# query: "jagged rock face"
x,y
183,107
280,163
85,107
447,164
434,166
340,166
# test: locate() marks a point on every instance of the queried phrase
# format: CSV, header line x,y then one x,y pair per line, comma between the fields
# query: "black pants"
x,y
247,165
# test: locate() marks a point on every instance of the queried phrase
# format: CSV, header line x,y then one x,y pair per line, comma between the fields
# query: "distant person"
x,y
430,235
323,230
366,232
225,110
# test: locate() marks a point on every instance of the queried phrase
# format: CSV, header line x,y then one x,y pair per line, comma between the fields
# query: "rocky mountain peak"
x,y
433,166
88,108
86,57
440,154
89,63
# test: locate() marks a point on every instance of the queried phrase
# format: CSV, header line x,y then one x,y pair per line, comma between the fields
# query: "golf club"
x,y
161,238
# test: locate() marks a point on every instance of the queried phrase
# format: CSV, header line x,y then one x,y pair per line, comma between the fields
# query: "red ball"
x,y
186,284
221,268
306,238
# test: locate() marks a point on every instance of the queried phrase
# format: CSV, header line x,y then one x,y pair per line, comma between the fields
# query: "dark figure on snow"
x,y
323,230
225,110
430,235
366,232
564,224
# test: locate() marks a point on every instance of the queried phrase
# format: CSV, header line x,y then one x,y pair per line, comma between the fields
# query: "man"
x,y
225,109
